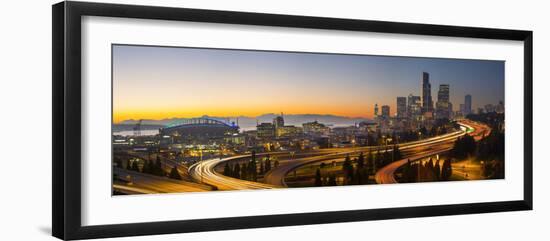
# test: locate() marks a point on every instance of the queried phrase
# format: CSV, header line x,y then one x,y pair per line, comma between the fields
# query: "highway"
x,y
386,175
427,146
137,182
204,172
275,178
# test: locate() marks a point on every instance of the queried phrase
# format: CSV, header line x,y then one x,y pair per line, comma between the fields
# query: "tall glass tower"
x,y
427,103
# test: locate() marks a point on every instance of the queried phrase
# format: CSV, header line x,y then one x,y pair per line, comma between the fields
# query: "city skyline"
x,y
167,82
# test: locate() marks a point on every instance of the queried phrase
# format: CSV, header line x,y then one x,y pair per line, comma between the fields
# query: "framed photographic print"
x,y
170,120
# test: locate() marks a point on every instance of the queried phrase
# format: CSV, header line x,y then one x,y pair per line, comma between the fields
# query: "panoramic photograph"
x,y
202,119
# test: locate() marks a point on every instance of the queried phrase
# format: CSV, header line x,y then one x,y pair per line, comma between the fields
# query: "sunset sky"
x,y
167,82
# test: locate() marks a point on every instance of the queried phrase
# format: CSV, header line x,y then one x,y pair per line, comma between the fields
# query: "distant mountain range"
x,y
246,122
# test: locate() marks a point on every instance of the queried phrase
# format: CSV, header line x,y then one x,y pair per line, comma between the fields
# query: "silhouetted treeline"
x,y
426,172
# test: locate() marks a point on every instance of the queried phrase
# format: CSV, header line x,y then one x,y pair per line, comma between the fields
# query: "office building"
x,y
427,102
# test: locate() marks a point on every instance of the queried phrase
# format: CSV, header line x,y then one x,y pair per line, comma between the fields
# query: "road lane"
x,y
386,175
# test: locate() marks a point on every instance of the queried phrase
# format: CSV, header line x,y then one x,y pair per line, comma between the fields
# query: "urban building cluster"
x,y
413,111
192,139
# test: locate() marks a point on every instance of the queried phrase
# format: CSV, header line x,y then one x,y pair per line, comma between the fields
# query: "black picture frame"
x,y
66,75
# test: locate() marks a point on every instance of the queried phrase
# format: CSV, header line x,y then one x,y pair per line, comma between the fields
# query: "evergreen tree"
x,y
408,172
437,170
430,173
318,181
464,146
262,168
135,166
332,180
378,158
253,170
145,168
359,173
175,174
396,153
447,170
237,170
150,167
244,173
227,170
158,167
360,161
347,168
267,164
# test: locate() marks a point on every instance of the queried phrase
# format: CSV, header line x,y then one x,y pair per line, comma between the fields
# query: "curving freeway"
x,y
137,182
386,175
204,171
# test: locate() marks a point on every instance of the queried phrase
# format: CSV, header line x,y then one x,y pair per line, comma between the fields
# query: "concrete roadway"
x,y
275,178
146,183
386,175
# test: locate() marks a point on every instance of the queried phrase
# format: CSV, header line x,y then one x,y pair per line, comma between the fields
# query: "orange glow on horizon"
x,y
159,114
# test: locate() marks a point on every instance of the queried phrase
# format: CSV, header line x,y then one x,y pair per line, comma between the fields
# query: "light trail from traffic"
x,y
386,175
275,178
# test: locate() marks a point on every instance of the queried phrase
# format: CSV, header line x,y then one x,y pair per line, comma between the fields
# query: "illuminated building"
x,y
467,105
288,131
265,130
401,107
414,108
315,128
443,106
427,104
385,111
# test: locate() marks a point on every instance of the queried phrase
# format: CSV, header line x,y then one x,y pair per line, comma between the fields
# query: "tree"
x,y
437,170
464,147
157,169
253,170
243,171
446,171
318,181
267,164
174,173
128,165
359,176
227,170
396,153
430,173
409,173
347,168
135,166
262,168
360,161
237,170
332,180
145,168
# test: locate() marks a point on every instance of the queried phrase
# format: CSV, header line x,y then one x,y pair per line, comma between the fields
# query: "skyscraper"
x,y
414,107
443,107
386,111
427,103
401,107
375,110
467,105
